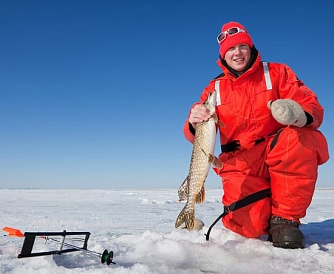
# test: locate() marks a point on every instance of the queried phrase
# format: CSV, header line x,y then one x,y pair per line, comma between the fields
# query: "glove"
x,y
288,112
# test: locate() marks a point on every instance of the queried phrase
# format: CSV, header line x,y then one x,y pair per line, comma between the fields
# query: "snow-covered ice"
x,y
138,226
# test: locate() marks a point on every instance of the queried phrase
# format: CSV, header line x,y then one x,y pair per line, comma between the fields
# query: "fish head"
x,y
210,102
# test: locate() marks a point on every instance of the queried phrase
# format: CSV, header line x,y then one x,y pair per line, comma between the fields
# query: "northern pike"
x,y
202,157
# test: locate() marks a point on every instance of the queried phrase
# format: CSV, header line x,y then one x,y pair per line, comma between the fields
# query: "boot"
x,y
285,233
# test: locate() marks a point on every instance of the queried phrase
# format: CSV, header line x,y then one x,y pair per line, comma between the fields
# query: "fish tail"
x,y
186,219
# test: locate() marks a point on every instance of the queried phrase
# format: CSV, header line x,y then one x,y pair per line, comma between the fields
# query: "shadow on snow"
x,y
321,233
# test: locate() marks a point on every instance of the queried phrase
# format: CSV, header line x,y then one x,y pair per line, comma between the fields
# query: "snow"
x,y
138,226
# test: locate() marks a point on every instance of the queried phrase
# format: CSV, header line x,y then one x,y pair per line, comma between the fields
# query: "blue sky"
x,y
94,93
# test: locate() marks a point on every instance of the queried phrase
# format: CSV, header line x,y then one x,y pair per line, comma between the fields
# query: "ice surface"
x,y
138,226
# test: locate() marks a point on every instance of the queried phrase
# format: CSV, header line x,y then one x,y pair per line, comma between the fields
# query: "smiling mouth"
x,y
239,60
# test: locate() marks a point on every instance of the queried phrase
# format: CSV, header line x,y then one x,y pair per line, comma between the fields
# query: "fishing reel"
x,y
107,257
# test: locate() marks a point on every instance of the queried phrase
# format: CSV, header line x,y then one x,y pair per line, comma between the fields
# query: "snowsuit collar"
x,y
253,64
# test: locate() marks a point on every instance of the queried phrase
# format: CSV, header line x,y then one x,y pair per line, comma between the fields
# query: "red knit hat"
x,y
234,39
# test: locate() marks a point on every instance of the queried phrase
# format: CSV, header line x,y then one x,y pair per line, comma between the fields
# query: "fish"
x,y
192,189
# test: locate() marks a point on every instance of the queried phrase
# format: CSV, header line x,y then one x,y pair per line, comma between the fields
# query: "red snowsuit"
x,y
288,165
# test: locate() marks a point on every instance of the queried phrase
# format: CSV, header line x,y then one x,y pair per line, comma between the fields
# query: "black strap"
x,y
239,204
274,141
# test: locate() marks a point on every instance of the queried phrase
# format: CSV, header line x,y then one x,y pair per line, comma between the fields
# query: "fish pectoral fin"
x,y
201,196
212,159
217,121
220,124
215,161
183,190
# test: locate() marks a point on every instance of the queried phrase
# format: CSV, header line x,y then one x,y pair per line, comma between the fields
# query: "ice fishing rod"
x,y
106,256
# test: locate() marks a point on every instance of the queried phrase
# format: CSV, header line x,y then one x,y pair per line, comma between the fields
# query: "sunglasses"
x,y
231,31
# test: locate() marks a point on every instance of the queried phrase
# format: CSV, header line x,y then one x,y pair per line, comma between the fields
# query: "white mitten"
x,y
288,112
